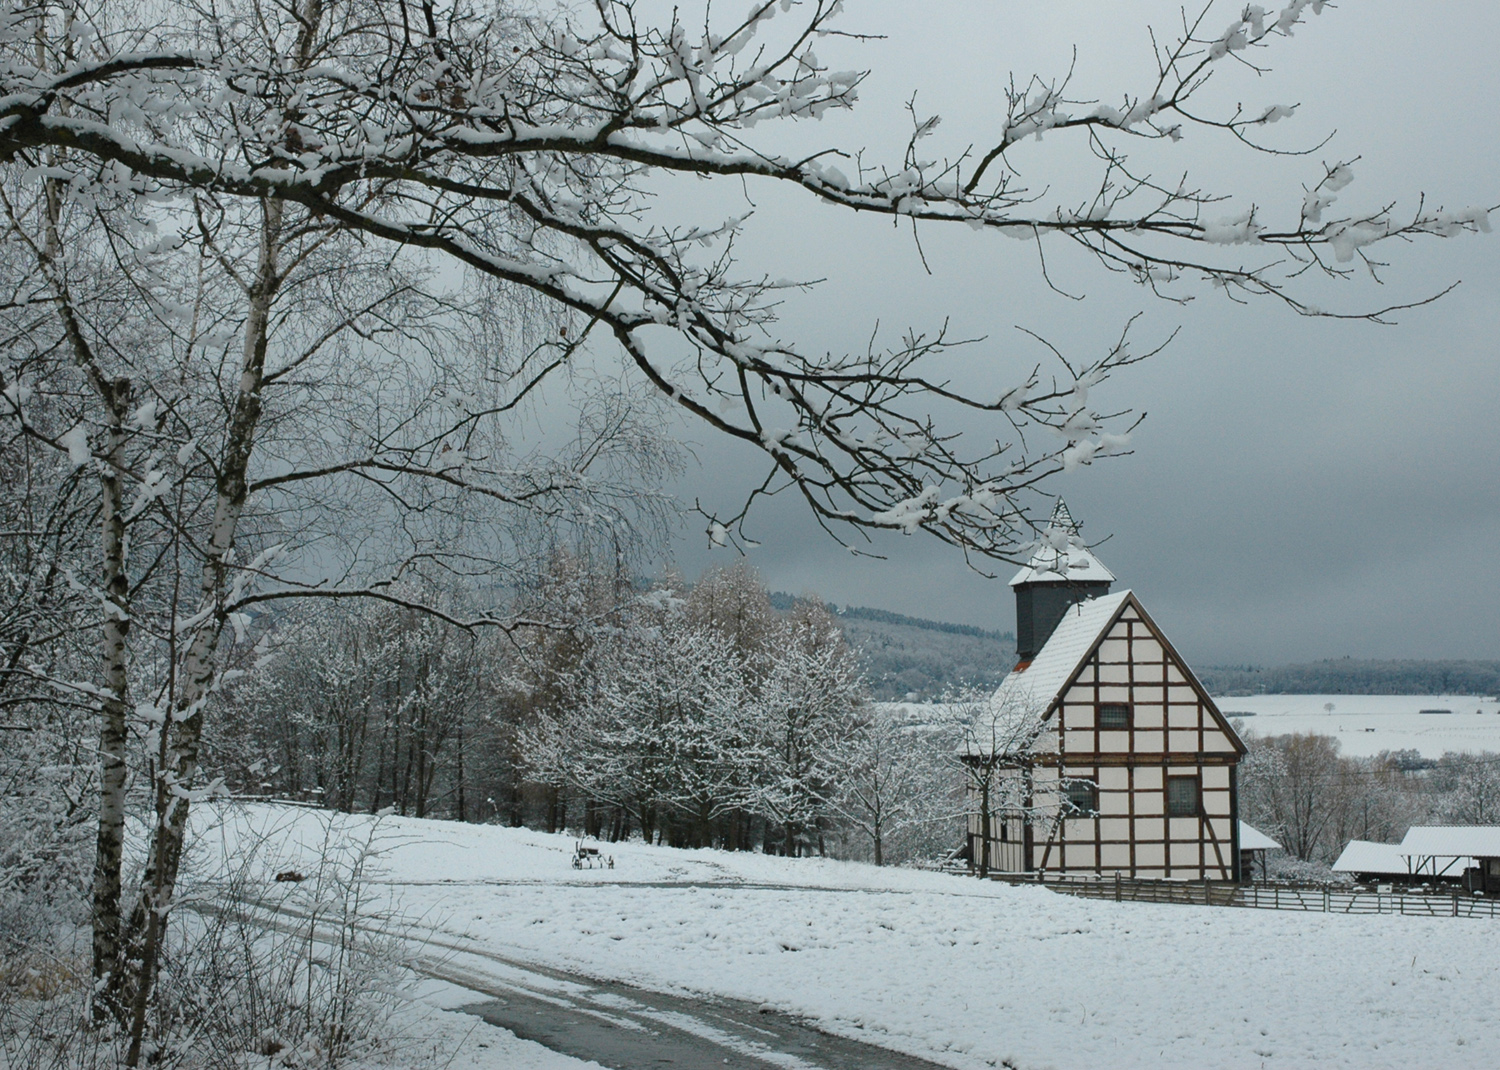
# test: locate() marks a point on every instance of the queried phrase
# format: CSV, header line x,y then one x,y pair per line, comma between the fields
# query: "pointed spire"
x,y
1060,556
1061,573
1062,520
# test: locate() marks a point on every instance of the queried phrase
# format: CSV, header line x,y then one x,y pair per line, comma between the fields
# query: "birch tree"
x,y
243,428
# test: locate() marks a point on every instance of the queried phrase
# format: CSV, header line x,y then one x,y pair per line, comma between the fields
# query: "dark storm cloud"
x,y
1301,488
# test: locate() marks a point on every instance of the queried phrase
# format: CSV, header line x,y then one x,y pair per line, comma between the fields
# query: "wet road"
x,y
627,1028
624,1027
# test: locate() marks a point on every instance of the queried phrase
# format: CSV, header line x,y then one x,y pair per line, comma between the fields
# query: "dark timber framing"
x,y
1172,729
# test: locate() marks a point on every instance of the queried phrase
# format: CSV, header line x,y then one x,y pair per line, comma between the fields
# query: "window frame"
x,y
1071,803
1123,726
1197,803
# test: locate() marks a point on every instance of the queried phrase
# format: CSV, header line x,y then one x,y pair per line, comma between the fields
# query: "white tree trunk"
x,y
178,757
115,673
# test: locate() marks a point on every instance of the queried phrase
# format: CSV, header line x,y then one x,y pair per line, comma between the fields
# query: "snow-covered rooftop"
x,y
1037,683
1060,555
1364,856
1253,839
1447,841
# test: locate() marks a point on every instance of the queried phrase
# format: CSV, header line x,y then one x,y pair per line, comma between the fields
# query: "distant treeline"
x,y
783,602
1351,676
917,659
907,657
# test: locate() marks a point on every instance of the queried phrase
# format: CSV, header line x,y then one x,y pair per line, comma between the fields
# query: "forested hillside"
x,y
1352,676
917,659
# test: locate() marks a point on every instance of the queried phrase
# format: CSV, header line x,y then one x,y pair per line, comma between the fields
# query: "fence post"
x,y
1455,904
1117,887
1325,900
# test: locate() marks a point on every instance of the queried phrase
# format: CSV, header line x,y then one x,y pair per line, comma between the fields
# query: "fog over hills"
x,y
915,659
1356,676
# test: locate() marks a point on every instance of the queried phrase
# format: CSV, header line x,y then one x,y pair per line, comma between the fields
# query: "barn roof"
x,y
1364,856
1448,841
1253,839
1036,683
1061,556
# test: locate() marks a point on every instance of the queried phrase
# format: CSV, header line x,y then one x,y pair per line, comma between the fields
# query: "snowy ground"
x,y
965,973
1365,725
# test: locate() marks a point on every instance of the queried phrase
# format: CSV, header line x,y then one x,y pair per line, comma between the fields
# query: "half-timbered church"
x,y
1138,760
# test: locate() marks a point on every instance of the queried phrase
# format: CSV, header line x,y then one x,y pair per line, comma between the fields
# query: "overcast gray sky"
x,y
1301,488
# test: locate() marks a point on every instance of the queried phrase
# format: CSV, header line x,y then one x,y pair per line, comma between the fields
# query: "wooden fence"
x,y
1327,899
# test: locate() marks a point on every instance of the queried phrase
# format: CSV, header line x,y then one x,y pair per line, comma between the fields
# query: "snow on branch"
x,y
524,147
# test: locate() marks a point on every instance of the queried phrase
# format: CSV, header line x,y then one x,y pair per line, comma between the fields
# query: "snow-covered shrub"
x,y
266,968
901,800
45,837
1283,866
275,966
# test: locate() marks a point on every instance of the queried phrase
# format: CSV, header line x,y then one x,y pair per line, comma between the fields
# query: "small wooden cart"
x,y
590,858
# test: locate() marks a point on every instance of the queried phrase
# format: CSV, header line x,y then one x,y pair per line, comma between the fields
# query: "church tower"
x,y
1061,572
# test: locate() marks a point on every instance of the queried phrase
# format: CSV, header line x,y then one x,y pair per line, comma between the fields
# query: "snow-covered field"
x,y
968,974
1365,725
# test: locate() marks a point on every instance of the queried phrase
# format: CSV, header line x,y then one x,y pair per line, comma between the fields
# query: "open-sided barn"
x,y
1467,854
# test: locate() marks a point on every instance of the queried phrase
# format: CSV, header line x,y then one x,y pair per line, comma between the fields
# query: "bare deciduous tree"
x,y
522,147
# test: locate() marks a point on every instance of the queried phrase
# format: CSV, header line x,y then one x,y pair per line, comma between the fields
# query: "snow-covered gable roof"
x,y
1035,684
1060,555
1033,687
1449,841
1363,856
1253,839
1075,564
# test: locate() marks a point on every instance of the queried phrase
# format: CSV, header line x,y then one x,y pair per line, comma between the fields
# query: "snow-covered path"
x,y
964,973
623,1026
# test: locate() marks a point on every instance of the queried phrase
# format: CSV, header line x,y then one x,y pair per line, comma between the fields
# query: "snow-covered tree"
x,y
313,421
702,716
360,707
900,780
732,601
811,707
522,146
659,722
1292,784
1471,783
1008,751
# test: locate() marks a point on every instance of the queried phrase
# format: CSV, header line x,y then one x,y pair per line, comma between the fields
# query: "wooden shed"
x,y
1254,846
1468,853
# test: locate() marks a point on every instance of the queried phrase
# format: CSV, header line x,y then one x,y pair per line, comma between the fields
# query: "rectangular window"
x,y
1114,715
1082,797
1182,796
